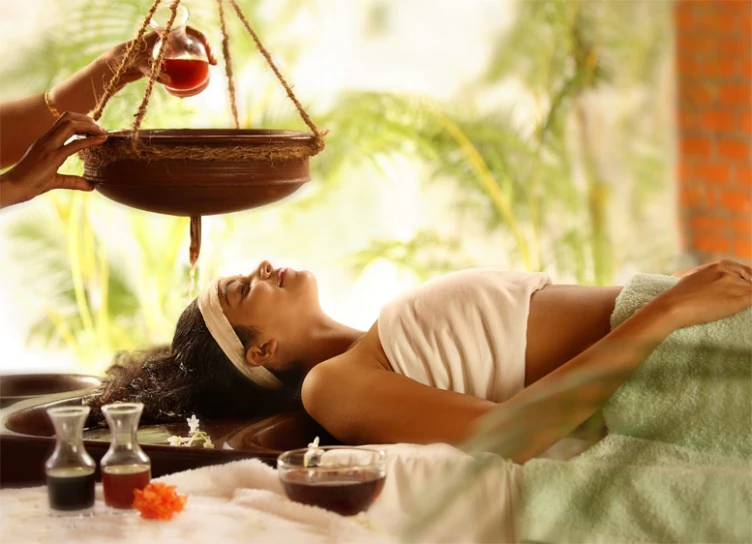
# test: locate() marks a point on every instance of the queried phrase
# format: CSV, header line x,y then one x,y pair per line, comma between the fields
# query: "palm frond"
x,y
427,254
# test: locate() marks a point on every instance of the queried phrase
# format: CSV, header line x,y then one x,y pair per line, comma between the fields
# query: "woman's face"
x,y
276,301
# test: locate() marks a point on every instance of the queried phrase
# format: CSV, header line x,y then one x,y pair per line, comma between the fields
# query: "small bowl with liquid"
x,y
343,479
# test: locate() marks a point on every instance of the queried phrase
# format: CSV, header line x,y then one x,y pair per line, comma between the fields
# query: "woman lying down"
x,y
436,361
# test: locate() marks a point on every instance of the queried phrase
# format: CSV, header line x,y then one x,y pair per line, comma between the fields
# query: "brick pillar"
x,y
714,111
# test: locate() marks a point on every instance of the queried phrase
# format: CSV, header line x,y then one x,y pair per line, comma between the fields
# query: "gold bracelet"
x,y
50,105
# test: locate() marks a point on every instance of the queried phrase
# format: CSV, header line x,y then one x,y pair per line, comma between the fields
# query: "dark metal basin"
x,y
17,387
210,175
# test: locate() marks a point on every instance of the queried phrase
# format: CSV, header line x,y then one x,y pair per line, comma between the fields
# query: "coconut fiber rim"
x,y
203,144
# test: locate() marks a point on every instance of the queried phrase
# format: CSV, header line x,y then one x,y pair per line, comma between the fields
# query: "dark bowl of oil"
x,y
343,479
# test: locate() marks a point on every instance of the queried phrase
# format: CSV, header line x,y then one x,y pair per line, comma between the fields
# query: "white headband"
x,y
223,333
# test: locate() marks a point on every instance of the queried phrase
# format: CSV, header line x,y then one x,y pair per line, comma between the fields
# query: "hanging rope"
x,y
318,137
125,62
269,151
156,69
228,63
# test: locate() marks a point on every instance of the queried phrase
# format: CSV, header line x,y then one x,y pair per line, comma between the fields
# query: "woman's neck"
x,y
328,339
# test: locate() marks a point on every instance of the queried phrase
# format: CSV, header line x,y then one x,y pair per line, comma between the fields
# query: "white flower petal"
x,y
313,454
193,423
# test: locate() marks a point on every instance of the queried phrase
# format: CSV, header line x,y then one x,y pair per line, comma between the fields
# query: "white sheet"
x,y
244,502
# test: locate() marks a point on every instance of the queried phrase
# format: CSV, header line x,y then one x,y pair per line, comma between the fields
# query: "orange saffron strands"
x,y
158,501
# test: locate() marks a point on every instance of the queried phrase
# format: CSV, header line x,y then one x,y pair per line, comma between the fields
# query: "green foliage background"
x,y
576,183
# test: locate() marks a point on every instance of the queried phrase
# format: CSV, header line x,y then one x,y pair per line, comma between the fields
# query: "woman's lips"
x,y
281,276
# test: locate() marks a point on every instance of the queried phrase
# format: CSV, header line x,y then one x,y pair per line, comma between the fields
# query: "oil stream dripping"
x,y
194,251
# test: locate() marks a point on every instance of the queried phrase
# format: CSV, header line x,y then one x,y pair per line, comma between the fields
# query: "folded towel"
x,y
628,489
223,480
695,390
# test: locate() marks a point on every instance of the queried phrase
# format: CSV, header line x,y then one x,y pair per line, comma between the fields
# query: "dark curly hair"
x,y
191,376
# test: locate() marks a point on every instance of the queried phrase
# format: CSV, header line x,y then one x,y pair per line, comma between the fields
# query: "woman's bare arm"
x,y
554,406
23,121
360,404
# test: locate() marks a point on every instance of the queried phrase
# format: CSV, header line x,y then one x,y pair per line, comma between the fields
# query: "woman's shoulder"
x,y
364,357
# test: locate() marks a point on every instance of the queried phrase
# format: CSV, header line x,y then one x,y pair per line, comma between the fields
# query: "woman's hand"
x,y
708,293
685,272
141,66
36,172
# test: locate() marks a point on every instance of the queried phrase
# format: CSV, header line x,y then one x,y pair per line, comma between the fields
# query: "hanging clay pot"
x,y
195,172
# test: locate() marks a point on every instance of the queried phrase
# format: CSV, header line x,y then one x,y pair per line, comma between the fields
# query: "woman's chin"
x,y
306,278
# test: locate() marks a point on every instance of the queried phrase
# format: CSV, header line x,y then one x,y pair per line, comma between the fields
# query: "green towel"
x,y
695,390
676,464
628,489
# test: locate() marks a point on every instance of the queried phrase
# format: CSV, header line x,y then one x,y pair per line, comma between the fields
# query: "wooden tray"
x,y
199,186
27,440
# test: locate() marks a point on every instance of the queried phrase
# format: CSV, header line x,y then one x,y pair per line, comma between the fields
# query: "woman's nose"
x,y
266,269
